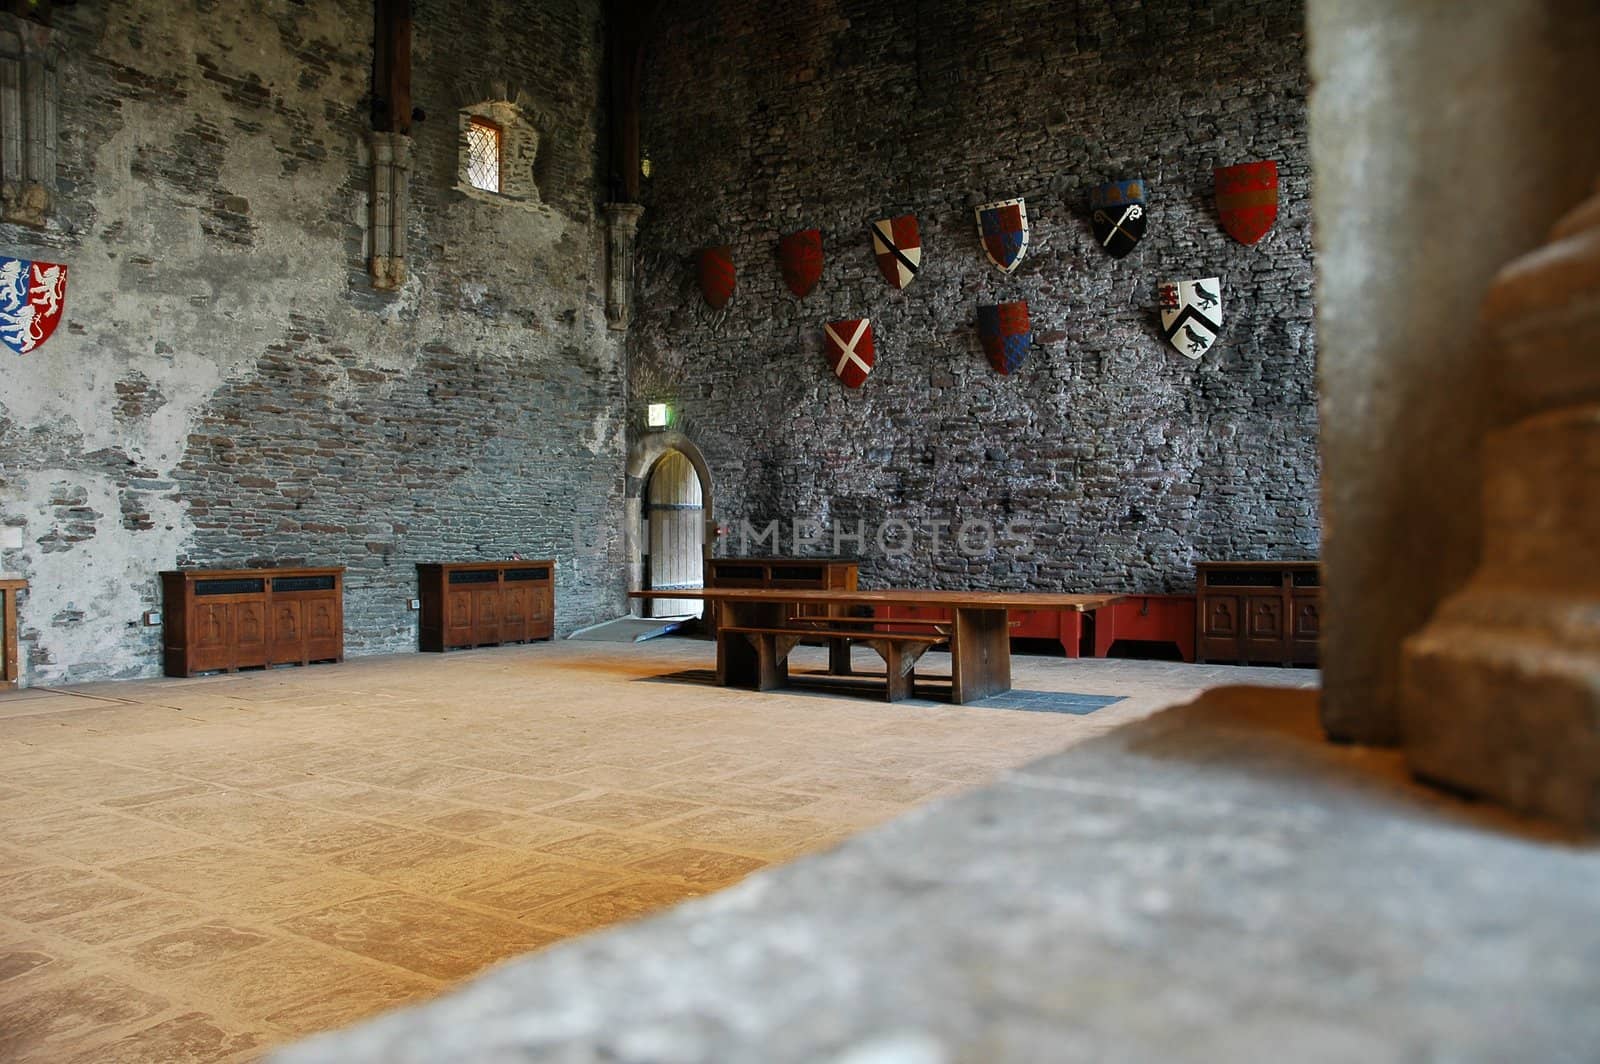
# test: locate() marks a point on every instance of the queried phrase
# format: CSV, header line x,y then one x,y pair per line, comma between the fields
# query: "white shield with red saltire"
x,y
849,349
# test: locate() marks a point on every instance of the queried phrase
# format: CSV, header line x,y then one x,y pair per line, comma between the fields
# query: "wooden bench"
x,y
899,650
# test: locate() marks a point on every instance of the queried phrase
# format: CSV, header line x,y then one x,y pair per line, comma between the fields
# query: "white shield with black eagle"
x,y
1191,314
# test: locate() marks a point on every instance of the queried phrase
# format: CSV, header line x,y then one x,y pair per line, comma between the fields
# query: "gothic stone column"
x,y
391,167
622,225
1502,687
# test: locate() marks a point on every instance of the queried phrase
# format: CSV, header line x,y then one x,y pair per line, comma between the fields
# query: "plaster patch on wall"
x,y
86,573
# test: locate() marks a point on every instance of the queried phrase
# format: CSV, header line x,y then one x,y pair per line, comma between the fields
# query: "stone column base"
x,y
1502,687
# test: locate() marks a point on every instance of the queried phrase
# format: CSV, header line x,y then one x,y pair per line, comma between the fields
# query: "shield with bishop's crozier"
x,y
32,297
1003,228
1191,314
800,255
715,266
1116,210
897,244
1006,334
1247,199
849,349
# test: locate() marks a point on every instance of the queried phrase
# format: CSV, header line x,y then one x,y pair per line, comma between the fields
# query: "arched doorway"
x,y
674,516
643,456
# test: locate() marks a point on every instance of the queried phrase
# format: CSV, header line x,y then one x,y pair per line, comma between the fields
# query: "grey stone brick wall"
x,y
228,389
1128,461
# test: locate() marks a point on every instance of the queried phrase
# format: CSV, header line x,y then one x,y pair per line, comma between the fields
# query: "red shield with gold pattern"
x,y
1247,199
849,349
800,255
715,267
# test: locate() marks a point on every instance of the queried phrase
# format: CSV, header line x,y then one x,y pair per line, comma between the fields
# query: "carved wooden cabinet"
x,y
10,656
467,604
822,574
229,619
1258,611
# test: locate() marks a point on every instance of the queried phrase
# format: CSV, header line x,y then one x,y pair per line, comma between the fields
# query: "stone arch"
x,y
642,456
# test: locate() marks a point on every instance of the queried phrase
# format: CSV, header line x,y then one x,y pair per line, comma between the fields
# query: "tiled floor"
x,y
193,870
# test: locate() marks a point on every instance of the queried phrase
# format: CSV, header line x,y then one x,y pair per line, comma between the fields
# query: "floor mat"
x,y
632,629
1047,702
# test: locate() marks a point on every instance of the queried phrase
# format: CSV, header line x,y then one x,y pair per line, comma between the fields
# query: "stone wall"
x,y
1128,460
228,389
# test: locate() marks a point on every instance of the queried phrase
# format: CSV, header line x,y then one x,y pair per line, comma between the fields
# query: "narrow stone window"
x,y
496,154
483,154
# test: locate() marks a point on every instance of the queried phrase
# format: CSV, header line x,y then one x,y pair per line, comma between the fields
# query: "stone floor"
x,y
196,870
1215,884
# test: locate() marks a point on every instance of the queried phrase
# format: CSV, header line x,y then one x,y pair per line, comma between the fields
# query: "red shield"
x,y
800,255
897,244
1247,199
716,275
849,349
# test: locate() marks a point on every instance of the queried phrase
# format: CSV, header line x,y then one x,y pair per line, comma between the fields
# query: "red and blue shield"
x,y
1247,199
1006,333
800,256
1003,228
849,350
32,297
715,266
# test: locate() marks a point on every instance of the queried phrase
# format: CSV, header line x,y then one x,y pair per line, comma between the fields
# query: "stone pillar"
x,y
622,225
391,167
28,95
1501,692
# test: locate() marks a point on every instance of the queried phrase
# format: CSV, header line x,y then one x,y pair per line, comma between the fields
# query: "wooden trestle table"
x,y
758,627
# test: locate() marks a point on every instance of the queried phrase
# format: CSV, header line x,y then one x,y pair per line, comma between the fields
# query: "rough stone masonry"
x,y
229,390
1128,461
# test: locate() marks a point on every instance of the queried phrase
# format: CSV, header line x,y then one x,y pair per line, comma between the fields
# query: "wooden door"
x,y
457,617
516,603
1265,636
675,515
542,613
324,627
1220,627
288,631
211,636
486,614
1306,630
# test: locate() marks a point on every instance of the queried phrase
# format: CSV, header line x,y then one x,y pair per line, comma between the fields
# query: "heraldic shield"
x,y
1003,228
800,255
32,297
1006,334
849,349
897,244
1191,314
1116,210
715,266
1247,199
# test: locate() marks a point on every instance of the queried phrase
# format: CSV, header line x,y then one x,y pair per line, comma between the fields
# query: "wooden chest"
x,y
467,604
1267,612
228,619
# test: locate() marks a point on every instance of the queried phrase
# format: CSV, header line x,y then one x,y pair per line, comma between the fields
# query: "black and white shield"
x,y
1191,314
1117,212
